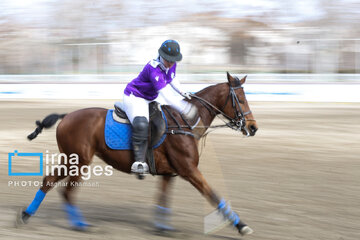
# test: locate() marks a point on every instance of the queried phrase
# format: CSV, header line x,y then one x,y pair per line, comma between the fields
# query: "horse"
x,y
178,155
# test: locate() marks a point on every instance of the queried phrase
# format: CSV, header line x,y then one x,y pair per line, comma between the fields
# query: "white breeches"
x,y
135,107
139,107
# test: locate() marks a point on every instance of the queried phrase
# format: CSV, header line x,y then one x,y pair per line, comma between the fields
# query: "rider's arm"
x,y
175,84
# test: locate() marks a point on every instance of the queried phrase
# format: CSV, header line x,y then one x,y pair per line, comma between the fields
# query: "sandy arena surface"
x,y
298,178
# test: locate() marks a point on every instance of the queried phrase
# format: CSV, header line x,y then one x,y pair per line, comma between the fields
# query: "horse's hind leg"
x,y
195,177
75,217
48,183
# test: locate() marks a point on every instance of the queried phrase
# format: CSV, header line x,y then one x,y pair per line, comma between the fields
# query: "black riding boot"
x,y
140,143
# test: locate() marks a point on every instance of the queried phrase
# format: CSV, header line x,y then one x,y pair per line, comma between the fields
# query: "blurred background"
x,y
110,37
298,178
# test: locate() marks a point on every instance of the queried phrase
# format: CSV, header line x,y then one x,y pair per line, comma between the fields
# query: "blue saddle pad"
x,y
118,135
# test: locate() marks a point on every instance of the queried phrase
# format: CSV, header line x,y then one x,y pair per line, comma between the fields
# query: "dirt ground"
x,y
298,178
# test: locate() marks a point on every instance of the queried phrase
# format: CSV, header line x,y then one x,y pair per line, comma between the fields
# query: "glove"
x,y
186,95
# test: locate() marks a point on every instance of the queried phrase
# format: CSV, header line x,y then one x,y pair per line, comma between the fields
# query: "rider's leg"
x,y
137,110
140,142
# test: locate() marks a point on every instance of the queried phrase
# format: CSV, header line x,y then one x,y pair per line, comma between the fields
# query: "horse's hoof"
x,y
246,230
168,231
164,230
88,228
164,227
82,227
22,217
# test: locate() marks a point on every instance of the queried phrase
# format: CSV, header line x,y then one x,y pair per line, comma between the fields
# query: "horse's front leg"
x,y
162,210
184,158
198,181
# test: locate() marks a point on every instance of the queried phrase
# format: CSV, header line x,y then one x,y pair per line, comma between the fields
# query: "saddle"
x,y
157,124
158,129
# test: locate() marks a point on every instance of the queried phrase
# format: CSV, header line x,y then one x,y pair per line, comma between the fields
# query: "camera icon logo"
x,y
17,157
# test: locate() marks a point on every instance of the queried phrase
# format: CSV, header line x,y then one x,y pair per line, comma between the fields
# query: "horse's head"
x,y
237,107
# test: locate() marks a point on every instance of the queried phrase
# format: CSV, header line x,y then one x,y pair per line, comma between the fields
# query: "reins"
x,y
236,123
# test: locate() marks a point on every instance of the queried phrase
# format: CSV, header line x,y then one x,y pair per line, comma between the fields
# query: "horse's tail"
x,y
48,122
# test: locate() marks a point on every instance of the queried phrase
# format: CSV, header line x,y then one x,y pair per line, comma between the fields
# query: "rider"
x,y
154,83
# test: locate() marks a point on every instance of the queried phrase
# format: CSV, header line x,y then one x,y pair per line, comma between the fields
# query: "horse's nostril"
x,y
253,128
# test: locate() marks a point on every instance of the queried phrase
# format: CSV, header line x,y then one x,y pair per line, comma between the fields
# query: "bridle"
x,y
239,119
238,122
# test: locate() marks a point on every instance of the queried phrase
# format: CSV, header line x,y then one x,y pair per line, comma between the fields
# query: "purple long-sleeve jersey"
x,y
151,79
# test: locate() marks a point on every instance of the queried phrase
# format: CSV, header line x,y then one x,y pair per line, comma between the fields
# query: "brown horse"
x,y
82,132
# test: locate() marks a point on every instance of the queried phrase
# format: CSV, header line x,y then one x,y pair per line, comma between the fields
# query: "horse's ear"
x,y
242,81
229,77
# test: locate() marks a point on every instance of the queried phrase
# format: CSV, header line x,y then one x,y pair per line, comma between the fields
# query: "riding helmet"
x,y
170,51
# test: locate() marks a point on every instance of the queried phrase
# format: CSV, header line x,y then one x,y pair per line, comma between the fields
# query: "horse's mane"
x,y
204,91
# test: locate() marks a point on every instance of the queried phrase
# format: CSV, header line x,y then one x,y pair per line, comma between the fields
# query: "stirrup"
x,y
140,168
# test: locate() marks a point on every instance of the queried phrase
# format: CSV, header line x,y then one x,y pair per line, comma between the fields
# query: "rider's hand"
x,y
186,95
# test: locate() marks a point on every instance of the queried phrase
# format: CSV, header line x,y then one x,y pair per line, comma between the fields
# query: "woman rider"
x,y
154,83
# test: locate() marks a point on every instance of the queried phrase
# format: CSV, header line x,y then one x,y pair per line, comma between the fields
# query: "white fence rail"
x,y
184,78
255,92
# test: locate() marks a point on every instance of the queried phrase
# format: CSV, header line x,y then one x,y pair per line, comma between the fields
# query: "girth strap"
x,y
180,131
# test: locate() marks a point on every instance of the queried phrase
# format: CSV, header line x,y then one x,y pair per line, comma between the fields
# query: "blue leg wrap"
x,y
228,213
162,218
163,210
222,204
75,217
39,197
